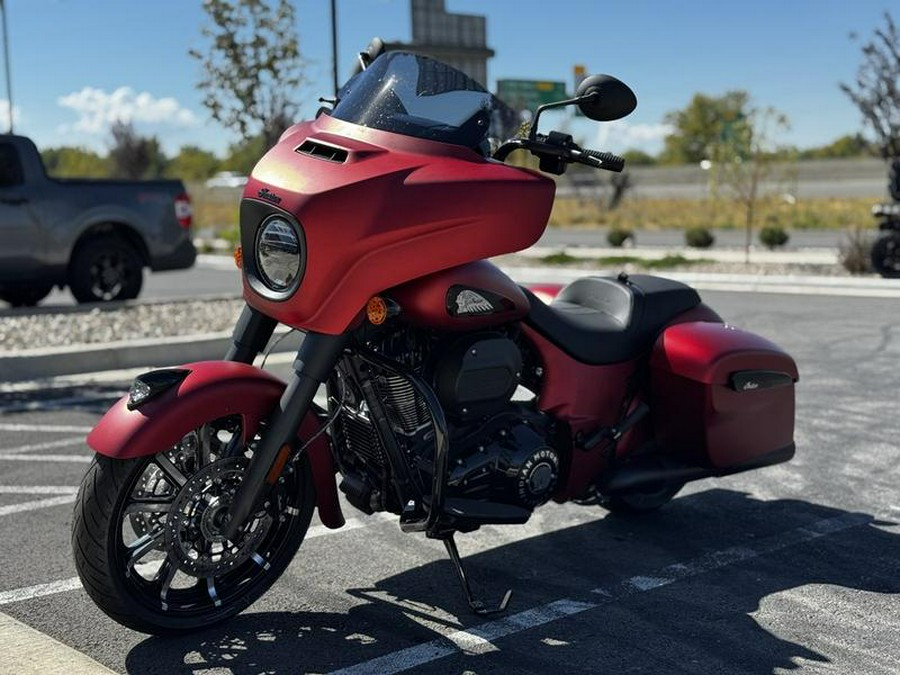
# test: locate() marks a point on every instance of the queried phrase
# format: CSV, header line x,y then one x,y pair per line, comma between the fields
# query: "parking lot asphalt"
x,y
794,566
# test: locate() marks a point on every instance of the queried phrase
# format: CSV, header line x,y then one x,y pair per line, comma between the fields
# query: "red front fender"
x,y
211,390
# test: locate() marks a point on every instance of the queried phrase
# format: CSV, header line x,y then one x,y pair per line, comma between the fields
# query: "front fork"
x,y
316,359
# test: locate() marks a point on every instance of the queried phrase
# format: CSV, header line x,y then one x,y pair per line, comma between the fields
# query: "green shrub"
x,y
698,237
618,236
773,236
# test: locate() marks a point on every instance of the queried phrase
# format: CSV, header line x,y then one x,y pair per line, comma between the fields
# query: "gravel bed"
x,y
160,319
130,322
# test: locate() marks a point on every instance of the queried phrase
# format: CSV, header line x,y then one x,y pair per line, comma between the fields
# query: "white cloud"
x,y
4,115
97,109
619,136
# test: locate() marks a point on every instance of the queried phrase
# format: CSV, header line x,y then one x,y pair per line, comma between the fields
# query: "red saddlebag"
x,y
721,397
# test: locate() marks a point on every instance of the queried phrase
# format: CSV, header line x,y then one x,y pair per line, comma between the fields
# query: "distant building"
x,y
457,39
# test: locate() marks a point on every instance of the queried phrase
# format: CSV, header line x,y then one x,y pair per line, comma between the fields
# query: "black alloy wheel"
x,y
146,532
104,269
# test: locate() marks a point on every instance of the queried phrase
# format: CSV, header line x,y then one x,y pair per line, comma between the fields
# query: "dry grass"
x,y
218,209
657,214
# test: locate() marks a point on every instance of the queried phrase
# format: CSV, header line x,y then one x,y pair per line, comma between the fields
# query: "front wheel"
x,y
146,532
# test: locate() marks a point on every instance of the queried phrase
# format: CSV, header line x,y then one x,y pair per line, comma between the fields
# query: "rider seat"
x,y
603,320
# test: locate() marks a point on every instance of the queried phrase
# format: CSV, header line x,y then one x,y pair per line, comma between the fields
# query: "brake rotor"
x,y
193,537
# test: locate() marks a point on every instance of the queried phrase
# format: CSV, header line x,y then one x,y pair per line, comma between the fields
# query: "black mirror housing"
x,y
605,98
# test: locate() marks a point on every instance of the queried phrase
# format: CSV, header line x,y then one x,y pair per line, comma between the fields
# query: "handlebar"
x,y
600,160
561,149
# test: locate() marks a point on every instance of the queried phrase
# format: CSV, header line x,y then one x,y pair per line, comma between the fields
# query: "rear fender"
x,y
213,389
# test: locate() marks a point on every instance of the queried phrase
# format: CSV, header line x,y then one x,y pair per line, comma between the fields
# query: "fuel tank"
x,y
375,209
464,298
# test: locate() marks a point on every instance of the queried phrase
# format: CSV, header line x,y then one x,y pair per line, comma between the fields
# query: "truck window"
x,y
10,166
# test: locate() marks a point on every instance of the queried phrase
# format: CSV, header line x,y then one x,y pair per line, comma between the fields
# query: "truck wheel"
x,y
886,256
25,296
104,269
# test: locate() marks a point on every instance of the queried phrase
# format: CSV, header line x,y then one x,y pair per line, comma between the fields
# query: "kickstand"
x,y
477,605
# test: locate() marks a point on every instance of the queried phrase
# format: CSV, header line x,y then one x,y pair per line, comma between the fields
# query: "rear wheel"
x,y
146,532
641,500
25,296
105,268
886,256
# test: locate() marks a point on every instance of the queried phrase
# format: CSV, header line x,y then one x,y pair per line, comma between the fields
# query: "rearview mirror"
x,y
605,98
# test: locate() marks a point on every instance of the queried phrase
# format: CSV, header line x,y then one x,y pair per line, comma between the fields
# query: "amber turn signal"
x,y
377,311
239,256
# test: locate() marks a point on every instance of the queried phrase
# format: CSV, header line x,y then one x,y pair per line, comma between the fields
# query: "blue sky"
x,y
78,63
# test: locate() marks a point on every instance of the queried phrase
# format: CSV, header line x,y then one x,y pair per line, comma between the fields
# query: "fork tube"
x,y
315,360
250,336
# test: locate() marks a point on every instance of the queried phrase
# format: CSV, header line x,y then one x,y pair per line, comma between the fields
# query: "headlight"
x,y
278,253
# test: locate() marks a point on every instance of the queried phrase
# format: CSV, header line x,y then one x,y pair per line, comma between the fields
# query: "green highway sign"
x,y
529,94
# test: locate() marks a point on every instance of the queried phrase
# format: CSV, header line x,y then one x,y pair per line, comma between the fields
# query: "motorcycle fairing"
x,y
395,209
212,389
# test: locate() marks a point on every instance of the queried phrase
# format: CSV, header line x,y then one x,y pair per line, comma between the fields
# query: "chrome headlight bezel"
x,y
278,254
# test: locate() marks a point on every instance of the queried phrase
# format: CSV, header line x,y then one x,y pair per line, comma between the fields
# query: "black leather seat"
x,y
602,320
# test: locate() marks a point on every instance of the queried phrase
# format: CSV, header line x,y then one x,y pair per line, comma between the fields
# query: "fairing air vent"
x,y
327,152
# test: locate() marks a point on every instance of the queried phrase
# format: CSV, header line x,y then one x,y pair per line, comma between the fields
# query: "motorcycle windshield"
x,y
417,96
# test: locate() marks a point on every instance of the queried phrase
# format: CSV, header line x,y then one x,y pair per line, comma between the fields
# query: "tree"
x,y
243,156
743,164
69,162
133,156
252,69
705,122
636,157
193,163
849,145
876,91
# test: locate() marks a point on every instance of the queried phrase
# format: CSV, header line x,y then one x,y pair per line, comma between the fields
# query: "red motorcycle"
x,y
368,230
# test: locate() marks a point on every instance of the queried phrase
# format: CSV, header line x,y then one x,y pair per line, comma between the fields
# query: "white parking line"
x,y
39,591
38,489
36,504
46,458
61,443
451,643
54,428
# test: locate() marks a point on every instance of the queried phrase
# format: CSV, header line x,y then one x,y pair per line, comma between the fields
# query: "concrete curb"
x,y
40,364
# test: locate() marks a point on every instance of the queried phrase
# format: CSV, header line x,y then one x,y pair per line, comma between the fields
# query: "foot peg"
x,y
478,606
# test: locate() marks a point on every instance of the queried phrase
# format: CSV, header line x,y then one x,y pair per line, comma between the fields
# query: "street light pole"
x,y
9,102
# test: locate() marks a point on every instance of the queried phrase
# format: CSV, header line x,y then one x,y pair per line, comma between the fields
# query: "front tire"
x,y
145,538
104,269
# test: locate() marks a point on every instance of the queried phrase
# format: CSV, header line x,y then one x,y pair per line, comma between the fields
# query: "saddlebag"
x,y
722,398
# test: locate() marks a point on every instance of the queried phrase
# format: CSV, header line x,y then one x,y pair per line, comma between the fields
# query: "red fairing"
x,y
428,301
703,419
587,397
398,208
212,389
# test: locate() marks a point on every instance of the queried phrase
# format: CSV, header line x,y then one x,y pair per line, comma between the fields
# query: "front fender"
x,y
213,389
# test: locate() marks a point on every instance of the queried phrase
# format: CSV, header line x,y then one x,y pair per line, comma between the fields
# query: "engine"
x,y
500,449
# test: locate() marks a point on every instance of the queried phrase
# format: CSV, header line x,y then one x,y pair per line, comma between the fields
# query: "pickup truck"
x,y
94,236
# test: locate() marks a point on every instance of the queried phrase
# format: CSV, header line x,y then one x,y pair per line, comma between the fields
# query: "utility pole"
x,y
334,44
9,102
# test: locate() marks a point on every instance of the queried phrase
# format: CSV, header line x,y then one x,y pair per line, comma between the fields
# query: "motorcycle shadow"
x,y
728,556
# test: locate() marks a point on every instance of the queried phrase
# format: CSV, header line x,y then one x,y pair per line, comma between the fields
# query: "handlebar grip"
x,y
610,161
